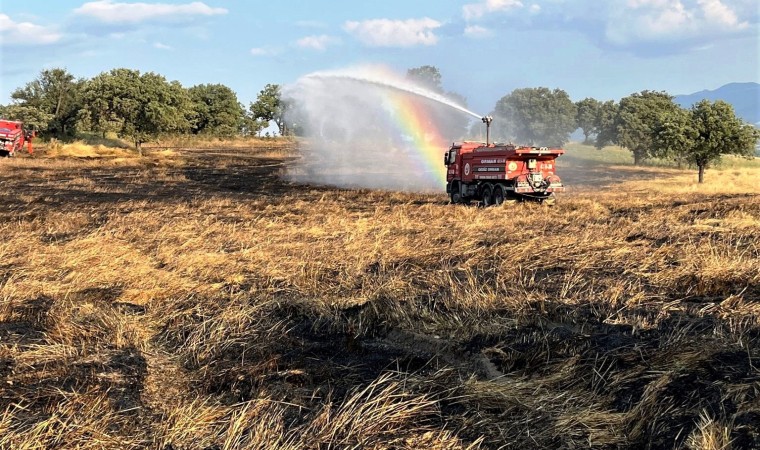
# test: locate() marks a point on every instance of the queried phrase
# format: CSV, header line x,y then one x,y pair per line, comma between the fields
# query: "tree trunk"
x,y
138,146
701,173
637,158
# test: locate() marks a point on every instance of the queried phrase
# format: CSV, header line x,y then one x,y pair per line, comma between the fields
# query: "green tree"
x,y
604,124
537,116
674,135
216,110
587,112
428,77
33,118
250,126
52,101
270,106
100,97
638,117
705,133
143,105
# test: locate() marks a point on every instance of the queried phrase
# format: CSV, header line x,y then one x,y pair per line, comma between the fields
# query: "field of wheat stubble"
x,y
197,299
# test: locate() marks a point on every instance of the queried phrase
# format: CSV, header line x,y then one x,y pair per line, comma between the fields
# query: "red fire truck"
x,y
493,173
13,136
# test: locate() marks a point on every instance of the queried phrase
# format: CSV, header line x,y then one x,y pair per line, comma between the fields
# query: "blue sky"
x,y
483,48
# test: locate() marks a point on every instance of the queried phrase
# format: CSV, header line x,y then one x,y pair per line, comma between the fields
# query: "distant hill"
x,y
745,97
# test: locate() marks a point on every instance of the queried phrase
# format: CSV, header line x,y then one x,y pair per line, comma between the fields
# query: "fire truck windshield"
x,y
451,157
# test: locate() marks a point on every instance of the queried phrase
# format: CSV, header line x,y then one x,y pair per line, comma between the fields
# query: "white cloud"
x,y
26,33
638,25
641,21
108,11
716,12
318,43
394,33
162,46
472,11
477,32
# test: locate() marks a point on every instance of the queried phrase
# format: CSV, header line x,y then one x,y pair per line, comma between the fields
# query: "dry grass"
x,y
194,299
80,149
247,143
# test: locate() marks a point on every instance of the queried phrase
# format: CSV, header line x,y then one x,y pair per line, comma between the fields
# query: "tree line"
x,y
138,106
141,106
648,123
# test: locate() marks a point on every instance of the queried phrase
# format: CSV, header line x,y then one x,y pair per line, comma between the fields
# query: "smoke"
x,y
366,127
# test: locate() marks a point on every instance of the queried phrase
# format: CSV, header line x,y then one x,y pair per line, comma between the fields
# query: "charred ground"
x,y
196,299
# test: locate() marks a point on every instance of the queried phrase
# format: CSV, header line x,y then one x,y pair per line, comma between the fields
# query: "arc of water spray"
x,y
400,87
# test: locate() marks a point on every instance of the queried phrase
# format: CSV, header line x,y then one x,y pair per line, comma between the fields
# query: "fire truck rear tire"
x,y
499,195
488,194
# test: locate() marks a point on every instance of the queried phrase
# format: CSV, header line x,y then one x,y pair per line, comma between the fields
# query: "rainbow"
x,y
425,146
411,117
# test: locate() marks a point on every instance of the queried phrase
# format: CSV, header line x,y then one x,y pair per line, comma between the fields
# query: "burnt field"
x,y
197,299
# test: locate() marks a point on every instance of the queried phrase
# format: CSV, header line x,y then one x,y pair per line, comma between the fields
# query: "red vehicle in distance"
x,y
13,136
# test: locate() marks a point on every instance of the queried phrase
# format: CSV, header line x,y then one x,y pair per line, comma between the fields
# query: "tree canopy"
x,y
587,113
50,102
137,106
143,105
604,123
536,116
216,110
705,133
637,118
32,117
428,77
270,106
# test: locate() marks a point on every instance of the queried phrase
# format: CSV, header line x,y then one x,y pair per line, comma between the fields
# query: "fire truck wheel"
x,y
488,195
456,196
498,195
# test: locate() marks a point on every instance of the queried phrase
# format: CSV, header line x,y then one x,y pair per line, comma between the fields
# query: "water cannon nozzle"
x,y
487,120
